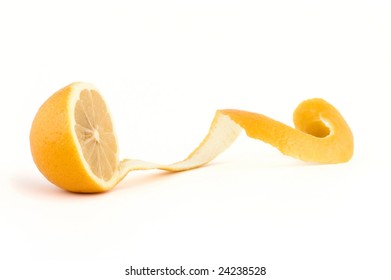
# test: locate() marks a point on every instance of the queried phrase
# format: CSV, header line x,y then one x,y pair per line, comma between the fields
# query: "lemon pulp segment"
x,y
94,130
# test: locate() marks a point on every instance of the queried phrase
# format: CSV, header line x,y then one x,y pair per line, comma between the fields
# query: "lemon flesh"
x,y
94,130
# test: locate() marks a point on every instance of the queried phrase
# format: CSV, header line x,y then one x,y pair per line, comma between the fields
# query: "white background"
x,y
164,67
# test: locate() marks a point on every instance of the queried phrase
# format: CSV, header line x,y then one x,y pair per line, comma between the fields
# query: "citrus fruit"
x,y
73,142
74,145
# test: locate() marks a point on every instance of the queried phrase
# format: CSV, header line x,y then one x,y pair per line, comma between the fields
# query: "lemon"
x,y
74,145
73,142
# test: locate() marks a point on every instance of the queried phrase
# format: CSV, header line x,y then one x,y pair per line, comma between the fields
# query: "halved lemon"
x,y
73,142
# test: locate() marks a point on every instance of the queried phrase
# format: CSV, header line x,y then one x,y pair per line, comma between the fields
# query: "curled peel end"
x,y
320,135
333,140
